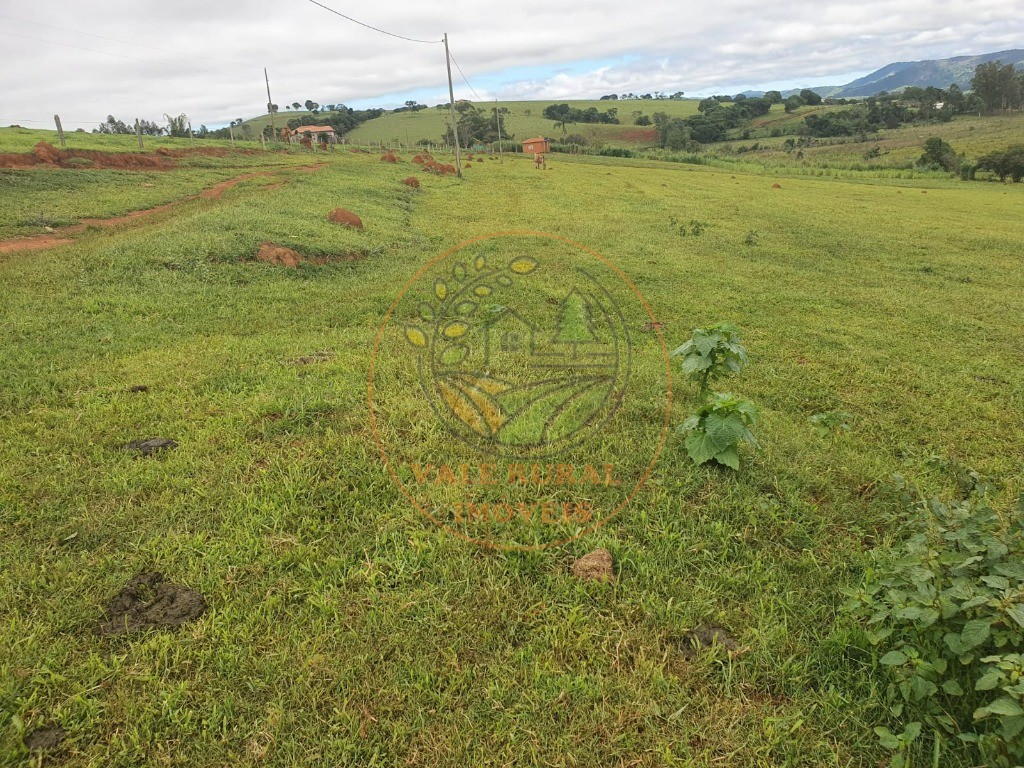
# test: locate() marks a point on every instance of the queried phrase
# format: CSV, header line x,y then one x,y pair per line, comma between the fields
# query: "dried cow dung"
x,y
708,636
148,602
151,445
596,566
47,737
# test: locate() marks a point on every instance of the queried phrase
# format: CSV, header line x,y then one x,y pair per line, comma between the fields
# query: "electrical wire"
x,y
463,75
375,29
124,42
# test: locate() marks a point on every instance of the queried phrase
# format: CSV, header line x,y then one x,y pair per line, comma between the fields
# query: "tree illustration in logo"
x,y
511,375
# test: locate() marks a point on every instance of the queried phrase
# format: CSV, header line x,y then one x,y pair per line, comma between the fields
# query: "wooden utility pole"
x,y
191,135
60,130
138,132
451,96
231,133
270,104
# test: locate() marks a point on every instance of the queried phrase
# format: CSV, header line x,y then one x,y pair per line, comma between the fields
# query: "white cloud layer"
x,y
135,67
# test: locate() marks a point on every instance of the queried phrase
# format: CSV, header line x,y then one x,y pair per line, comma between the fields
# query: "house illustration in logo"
x,y
510,335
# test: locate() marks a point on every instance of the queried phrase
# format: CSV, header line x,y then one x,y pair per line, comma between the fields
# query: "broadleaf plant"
x,y
712,353
946,611
716,430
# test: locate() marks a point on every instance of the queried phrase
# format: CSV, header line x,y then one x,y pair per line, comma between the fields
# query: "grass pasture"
x,y
344,629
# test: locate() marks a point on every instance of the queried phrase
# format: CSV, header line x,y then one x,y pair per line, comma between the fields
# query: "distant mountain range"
x,y
939,73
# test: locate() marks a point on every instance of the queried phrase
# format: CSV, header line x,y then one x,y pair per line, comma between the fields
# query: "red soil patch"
x,y
60,237
640,135
418,159
46,155
388,157
36,243
345,218
412,181
776,185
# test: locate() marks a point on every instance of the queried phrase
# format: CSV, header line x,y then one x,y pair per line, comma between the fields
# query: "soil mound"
x,y
148,602
412,181
345,218
418,159
279,256
388,157
776,185
47,153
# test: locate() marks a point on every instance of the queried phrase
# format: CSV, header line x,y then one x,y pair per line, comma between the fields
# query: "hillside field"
x,y
525,120
342,627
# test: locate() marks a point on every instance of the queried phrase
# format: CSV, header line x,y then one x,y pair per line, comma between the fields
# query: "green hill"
x,y
525,120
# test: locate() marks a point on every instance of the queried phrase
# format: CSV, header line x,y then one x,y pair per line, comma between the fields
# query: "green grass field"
x,y
345,629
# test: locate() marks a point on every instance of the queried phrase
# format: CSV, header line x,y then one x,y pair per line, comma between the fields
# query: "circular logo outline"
x,y
656,326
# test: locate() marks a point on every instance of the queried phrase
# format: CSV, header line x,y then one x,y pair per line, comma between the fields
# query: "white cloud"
x,y
659,45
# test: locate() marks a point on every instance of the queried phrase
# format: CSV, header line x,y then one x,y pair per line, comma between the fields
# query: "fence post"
x,y
60,130
138,132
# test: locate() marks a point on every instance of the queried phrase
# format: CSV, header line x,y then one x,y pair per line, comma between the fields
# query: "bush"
x,y
1008,162
947,613
712,353
940,155
715,431
616,152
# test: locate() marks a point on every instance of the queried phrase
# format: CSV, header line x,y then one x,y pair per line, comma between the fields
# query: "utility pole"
x,y
451,96
270,104
138,132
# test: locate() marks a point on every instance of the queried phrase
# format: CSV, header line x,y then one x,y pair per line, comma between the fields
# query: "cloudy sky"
x,y
206,57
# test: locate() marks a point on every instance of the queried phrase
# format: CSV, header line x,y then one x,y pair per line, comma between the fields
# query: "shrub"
x,y
947,613
715,431
712,353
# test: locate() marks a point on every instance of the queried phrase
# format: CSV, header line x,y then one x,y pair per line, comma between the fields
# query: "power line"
x,y
464,76
368,26
109,53
125,42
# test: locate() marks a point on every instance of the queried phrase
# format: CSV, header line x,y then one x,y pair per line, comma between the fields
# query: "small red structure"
x,y
539,144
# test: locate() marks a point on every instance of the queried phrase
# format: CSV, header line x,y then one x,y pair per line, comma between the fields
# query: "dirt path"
x,y
62,235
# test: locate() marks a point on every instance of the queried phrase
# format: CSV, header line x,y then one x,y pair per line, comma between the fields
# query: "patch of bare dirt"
x,y
149,602
60,236
412,181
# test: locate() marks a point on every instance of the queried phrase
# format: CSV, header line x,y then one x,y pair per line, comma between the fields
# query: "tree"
x,y
938,152
641,119
773,97
113,125
793,103
272,108
177,127
810,98
1007,162
295,105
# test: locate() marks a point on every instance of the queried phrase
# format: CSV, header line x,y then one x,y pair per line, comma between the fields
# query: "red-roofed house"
x,y
322,133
